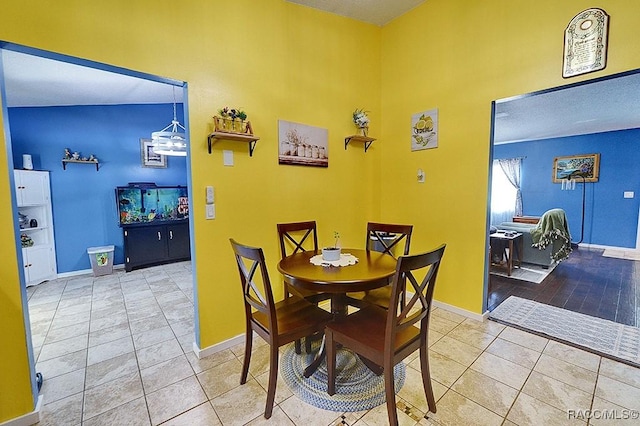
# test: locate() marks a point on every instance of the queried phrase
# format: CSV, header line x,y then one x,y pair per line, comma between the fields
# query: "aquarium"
x,y
148,203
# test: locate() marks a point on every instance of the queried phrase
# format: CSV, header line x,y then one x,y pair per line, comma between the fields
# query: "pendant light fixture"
x,y
171,140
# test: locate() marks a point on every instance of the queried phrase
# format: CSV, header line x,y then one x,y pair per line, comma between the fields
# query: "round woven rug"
x,y
357,387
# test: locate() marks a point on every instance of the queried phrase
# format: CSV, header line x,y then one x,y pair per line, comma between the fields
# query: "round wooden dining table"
x,y
373,270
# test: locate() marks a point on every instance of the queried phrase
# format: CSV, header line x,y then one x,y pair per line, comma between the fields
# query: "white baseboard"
x,y
218,347
598,246
26,419
460,311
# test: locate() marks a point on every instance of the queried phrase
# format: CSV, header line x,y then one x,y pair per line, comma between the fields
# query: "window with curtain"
x,y
506,199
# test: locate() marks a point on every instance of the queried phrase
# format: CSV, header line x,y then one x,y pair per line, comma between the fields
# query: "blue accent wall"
x,y
84,206
610,219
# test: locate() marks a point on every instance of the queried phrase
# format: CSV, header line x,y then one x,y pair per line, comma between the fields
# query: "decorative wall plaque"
x,y
424,129
585,43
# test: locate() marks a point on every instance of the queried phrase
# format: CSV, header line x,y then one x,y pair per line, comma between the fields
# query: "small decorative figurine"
x,y
67,154
75,155
93,158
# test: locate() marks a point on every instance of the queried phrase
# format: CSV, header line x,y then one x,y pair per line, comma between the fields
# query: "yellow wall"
x,y
459,56
15,378
277,60
293,64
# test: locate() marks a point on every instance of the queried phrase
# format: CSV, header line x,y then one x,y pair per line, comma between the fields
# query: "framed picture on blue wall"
x,y
581,166
150,158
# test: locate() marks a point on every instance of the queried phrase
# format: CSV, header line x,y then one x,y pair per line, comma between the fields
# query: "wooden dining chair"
x,y
395,333
277,323
298,237
389,239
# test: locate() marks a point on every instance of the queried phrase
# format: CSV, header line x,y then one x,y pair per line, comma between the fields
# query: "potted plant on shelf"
x,y
232,120
361,120
332,253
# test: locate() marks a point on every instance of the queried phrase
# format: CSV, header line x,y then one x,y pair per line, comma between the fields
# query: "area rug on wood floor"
x,y
526,272
604,337
357,387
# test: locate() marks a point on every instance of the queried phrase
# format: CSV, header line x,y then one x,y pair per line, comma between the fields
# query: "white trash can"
x,y
101,260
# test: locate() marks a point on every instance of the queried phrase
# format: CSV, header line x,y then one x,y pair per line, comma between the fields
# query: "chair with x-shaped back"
x,y
387,238
296,237
277,323
395,333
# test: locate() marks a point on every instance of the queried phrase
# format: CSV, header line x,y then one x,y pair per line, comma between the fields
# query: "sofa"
x,y
531,254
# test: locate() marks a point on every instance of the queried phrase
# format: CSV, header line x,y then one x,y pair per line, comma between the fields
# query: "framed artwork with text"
x,y
585,43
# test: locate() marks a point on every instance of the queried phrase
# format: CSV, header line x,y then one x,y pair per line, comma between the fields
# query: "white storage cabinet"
x,y
33,194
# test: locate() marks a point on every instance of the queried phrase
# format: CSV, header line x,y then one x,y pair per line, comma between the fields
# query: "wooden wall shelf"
x,y
65,162
367,141
240,137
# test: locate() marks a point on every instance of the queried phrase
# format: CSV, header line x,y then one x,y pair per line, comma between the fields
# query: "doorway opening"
x,y
595,116
53,103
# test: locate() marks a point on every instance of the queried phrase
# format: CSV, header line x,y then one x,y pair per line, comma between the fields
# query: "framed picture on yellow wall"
x,y
302,144
570,167
585,43
424,130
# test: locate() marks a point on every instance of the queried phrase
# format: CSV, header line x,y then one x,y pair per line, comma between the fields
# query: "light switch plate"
x,y
227,157
209,191
211,211
628,194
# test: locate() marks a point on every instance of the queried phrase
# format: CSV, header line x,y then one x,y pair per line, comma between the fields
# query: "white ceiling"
x,y
378,12
601,106
35,81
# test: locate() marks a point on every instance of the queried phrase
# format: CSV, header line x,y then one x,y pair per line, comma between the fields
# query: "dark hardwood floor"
x,y
587,282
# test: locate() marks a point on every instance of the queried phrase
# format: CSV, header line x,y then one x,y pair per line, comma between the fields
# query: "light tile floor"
x,y
117,350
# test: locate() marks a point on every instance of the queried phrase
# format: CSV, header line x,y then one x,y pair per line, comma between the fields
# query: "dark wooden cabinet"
x,y
147,245
178,242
